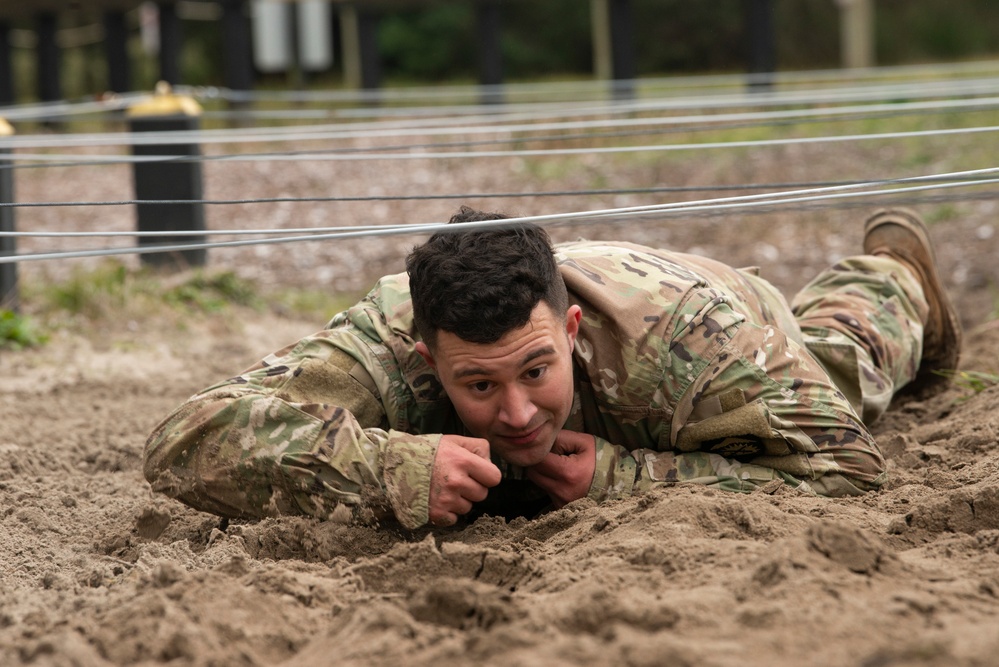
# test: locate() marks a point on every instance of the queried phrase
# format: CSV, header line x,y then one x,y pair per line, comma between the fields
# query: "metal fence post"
x,y
176,178
489,24
762,44
8,244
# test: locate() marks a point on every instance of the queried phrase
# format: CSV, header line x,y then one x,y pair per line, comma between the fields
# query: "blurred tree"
x,y
431,44
808,34
552,38
680,36
936,30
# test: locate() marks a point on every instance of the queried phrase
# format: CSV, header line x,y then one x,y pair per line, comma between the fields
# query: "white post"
x,y
856,33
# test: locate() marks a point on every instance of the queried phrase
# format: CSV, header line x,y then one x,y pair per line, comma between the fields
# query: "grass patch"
x,y
111,297
213,293
19,331
112,291
974,382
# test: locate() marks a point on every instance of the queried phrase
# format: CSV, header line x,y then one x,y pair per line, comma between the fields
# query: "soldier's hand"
x,y
462,475
567,472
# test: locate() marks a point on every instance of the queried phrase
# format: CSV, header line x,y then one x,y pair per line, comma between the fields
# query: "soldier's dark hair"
x,y
480,284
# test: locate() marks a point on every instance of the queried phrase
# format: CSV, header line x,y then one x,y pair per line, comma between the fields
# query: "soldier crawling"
x,y
499,372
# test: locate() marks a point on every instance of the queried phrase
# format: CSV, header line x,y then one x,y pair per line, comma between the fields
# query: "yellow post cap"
x,y
165,103
6,129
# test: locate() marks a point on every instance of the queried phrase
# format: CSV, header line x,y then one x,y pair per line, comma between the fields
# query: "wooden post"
x,y
489,23
600,28
176,180
48,57
116,50
856,20
350,49
9,299
6,66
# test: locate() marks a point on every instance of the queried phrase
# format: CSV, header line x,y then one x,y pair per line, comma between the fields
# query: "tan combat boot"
x,y
900,234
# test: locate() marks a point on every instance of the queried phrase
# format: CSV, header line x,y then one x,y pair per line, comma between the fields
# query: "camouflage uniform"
x,y
685,370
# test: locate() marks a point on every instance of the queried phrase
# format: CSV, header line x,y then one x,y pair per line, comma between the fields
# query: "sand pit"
x,y
96,570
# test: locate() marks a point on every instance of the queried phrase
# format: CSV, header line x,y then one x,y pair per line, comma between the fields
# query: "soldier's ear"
x,y
424,351
572,318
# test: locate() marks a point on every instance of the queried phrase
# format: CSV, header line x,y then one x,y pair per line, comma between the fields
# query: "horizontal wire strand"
x,y
745,201
427,197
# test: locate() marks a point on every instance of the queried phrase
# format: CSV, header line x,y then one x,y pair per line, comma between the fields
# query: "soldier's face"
x,y
517,392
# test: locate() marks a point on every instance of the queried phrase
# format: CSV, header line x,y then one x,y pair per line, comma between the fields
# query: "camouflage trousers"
x,y
862,320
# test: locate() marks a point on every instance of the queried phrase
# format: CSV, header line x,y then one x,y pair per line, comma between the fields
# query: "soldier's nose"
x,y
517,410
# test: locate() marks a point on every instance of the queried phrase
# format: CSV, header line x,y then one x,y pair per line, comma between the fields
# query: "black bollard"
x,y
8,244
176,178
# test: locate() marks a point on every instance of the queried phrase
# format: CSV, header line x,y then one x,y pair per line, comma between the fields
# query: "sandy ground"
x,y
95,570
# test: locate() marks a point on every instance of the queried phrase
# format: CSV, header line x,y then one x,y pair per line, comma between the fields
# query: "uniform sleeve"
x,y
748,405
303,432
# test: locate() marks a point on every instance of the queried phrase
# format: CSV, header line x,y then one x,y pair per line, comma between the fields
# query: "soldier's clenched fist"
x,y
462,475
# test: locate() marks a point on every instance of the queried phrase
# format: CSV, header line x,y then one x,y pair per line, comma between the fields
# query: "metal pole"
x,y
8,244
489,23
762,44
622,46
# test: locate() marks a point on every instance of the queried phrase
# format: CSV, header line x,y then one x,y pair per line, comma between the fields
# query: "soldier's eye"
x,y
536,373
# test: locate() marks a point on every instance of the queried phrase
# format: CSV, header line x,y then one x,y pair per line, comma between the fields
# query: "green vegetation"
x,y
112,289
18,331
438,41
971,381
213,293
113,295
676,36
92,294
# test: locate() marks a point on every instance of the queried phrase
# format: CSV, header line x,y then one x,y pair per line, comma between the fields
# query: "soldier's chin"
x,y
525,458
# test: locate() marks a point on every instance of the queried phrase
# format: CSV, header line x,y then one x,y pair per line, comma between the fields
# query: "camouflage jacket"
x,y
684,369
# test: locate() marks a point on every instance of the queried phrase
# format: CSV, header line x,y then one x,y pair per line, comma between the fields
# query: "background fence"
x,y
324,188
